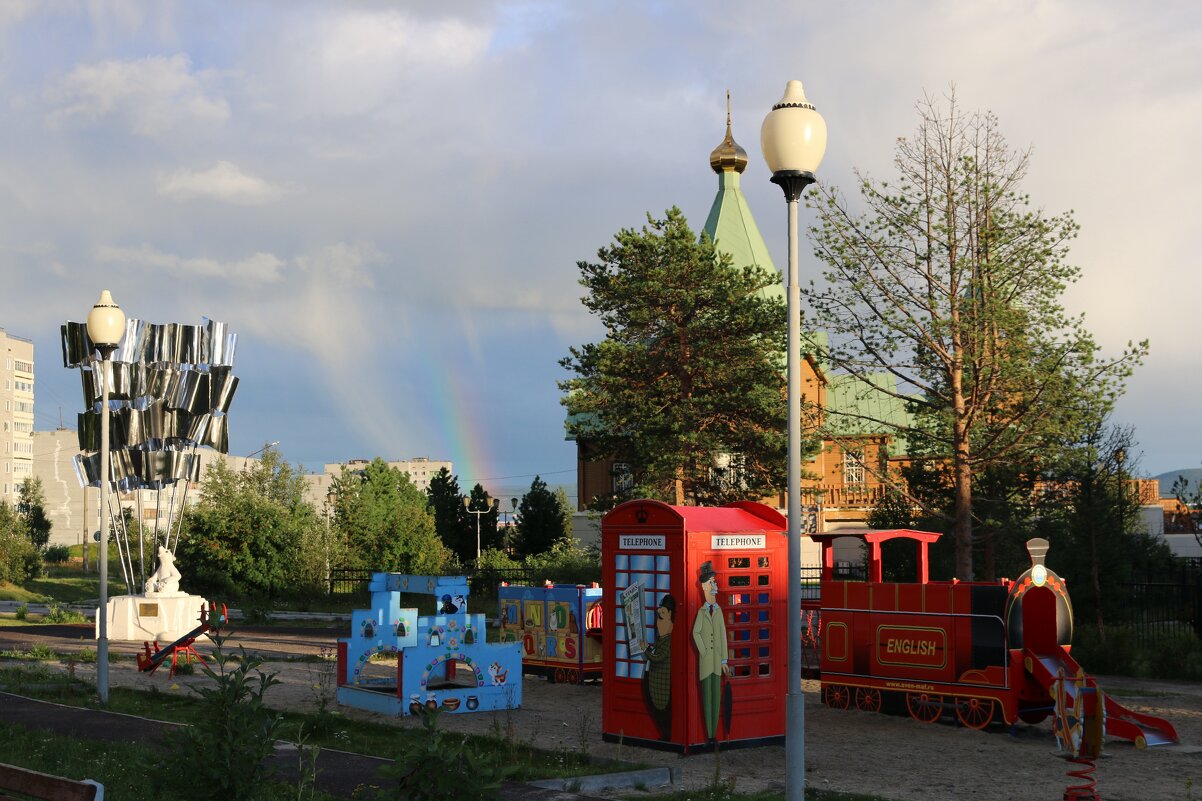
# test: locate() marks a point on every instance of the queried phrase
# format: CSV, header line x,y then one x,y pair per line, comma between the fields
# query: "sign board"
x,y
738,542
641,542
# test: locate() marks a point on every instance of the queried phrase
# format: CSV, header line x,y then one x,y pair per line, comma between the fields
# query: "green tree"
x,y
1092,513
951,283
540,521
19,559
386,522
31,503
454,525
245,535
690,371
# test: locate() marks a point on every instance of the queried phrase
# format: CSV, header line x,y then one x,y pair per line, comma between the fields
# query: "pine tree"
x,y
691,367
540,521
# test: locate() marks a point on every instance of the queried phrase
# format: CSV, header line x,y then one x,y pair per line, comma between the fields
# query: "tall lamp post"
x,y
490,505
106,325
793,138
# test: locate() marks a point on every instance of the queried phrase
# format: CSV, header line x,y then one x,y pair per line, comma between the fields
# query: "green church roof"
x,y
730,224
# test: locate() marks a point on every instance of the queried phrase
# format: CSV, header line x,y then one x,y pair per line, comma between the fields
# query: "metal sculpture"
x,y
170,390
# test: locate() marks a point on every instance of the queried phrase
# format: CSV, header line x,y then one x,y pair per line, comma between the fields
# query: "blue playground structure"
x,y
442,660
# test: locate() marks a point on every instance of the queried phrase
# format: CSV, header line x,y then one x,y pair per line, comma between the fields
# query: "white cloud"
x,y
356,62
225,182
151,95
257,269
13,11
342,264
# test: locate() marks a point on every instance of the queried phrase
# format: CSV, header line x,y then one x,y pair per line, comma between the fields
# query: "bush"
x,y
442,766
57,613
1123,654
223,752
19,560
566,563
57,554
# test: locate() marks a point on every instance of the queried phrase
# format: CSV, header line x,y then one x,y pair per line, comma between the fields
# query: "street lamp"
x,y
490,505
271,444
793,138
106,325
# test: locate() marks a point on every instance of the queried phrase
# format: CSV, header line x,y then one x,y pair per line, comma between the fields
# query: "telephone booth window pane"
x,y
740,598
742,653
765,634
622,668
764,651
742,616
662,564
764,580
764,598
741,671
739,581
642,562
636,669
763,615
765,668
662,582
622,561
741,634
763,561
622,579
738,561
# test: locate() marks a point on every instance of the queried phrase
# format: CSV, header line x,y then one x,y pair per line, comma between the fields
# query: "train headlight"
x,y
1039,575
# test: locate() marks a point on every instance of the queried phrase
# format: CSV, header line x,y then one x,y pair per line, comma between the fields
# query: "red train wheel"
x,y
574,676
560,676
868,699
836,696
923,707
975,713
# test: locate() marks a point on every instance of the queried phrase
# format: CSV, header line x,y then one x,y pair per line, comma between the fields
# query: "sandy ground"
x,y
895,757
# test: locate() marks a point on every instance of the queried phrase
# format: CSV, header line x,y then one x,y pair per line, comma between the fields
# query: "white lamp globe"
x,y
793,136
106,322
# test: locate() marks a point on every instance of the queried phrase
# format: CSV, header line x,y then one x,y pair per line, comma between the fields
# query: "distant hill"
x,y
1192,474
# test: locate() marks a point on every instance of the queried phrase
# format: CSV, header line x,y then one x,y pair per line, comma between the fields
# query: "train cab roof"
x,y
873,538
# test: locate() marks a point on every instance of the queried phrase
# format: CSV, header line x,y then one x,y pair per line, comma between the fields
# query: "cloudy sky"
x,y
387,201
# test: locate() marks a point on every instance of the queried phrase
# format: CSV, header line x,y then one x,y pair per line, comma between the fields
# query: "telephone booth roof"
x,y
737,516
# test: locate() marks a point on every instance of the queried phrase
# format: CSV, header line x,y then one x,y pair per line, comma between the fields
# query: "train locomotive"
x,y
983,652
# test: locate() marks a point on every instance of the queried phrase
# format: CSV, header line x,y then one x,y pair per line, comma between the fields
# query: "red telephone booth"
x,y
695,637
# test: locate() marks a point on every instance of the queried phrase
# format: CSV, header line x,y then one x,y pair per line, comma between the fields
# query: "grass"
x,y
328,730
122,768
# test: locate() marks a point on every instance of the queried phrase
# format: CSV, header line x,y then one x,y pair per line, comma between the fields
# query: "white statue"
x,y
165,579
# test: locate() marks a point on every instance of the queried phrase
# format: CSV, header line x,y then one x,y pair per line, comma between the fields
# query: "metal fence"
x,y
352,580
1164,606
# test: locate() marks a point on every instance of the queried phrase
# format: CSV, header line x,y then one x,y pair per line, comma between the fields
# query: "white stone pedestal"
x,y
164,617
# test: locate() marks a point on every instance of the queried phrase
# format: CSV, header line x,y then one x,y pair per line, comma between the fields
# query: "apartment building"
x,y
420,469
16,413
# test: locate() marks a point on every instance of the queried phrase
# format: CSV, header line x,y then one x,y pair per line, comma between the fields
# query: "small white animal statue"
x,y
165,579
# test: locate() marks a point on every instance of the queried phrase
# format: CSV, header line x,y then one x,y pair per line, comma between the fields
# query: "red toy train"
x,y
984,651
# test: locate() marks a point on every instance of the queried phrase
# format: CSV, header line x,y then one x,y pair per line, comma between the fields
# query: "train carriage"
x,y
984,652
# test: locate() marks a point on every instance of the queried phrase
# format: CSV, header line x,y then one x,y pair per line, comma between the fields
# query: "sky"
x,y
387,201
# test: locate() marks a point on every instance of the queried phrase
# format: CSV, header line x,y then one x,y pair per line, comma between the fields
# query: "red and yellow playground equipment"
x,y
150,660
985,652
559,627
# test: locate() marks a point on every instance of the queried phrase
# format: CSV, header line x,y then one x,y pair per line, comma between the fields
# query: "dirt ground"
x,y
895,757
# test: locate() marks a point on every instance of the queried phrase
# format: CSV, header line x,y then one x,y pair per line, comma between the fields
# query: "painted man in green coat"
x,y
657,679
709,635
